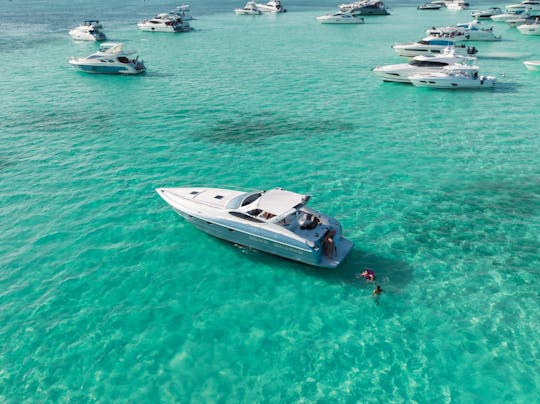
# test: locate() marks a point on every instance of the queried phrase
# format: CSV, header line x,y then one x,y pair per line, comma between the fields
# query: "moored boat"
x,y
273,6
530,29
340,18
164,22
526,5
432,45
486,14
90,30
429,6
532,65
506,16
249,9
457,5
365,7
457,76
275,221
420,64
470,31
110,59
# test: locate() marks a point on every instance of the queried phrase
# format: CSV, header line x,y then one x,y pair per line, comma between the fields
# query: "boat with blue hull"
x,y
275,221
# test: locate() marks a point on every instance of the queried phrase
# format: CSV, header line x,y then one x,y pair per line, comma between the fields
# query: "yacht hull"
x,y
269,9
265,243
329,20
411,50
163,28
452,83
97,69
401,73
240,11
532,65
529,29
87,37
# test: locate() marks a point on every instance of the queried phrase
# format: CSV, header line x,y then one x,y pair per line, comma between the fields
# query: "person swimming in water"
x,y
377,291
368,274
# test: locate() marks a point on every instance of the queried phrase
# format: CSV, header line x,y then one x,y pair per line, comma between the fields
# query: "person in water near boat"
x,y
368,274
377,291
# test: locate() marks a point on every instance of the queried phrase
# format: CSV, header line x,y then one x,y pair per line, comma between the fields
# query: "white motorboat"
x,y
526,5
506,16
249,9
273,6
88,31
429,6
164,22
457,76
340,18
432,45
470,31
183,11
274,221
457,5
530,29
523,18
110,59
486,14
532,64
421,64
365,7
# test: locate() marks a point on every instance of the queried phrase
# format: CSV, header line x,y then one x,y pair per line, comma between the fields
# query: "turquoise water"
x,y
107,295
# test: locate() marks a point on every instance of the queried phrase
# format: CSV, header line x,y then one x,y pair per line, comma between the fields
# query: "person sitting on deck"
x,y
310,222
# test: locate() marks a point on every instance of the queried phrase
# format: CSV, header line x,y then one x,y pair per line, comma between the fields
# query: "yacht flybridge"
x,y
274,221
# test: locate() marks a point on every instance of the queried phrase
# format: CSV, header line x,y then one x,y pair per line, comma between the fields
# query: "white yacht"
x,y
457,5
273,6
526,5
421,64
365,7
164,23
432,45
340,18
523,18
506,16
486,14
274,221
110,59
469,31
532,65
429,6
454,77
530,29
88,31
249,9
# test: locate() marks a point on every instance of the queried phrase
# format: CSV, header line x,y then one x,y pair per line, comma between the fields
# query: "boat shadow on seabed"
x,y
394,273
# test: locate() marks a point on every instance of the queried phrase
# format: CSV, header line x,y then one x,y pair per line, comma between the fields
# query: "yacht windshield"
x,y
243,200
251,198
426,63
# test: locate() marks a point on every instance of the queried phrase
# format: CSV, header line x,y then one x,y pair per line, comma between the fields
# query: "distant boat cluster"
x,y
277,221
441,60
111,58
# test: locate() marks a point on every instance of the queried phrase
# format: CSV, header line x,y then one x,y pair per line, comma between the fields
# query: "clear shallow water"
x,y
107,295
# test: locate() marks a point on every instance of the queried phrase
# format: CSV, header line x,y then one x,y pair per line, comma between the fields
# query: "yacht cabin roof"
x,y
279,202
